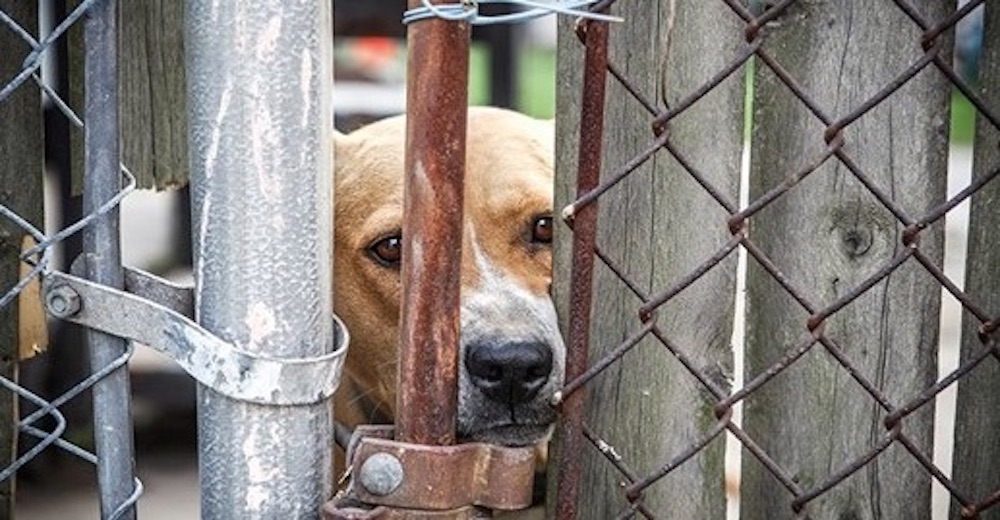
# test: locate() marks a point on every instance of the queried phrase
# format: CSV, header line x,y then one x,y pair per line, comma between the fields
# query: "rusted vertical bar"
x,y
437,96
584,237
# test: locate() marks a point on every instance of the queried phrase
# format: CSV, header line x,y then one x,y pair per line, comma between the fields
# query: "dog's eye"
x,y
541,230
387,251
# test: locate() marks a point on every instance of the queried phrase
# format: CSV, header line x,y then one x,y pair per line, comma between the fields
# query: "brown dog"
x,y
511,352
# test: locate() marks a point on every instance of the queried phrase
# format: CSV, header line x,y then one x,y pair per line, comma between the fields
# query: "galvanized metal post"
x,y
261,127
437,97
102,253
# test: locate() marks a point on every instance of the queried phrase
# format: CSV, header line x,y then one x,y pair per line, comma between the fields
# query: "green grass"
x,y
963,120
536,92
479,75
536,89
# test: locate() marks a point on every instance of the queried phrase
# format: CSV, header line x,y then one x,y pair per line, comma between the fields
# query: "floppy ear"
x,y
340,154
545,132
340,146
544,126
338,140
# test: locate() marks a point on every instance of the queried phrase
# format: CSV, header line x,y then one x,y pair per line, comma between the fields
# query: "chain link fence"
x,y
841,225
834,417
25,244
265,425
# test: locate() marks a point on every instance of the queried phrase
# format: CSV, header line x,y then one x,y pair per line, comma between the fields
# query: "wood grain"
x,y
658,224
827,235
21,152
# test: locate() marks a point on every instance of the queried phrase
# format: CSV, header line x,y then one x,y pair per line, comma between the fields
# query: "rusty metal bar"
x,y
437,97
584,242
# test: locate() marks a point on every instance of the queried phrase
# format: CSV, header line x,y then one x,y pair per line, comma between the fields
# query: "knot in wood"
x,y
856,241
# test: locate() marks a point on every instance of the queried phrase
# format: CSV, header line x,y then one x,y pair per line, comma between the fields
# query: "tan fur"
x,y
508,182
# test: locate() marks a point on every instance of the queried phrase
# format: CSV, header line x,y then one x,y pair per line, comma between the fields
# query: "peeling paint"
x,y
306,87
260,471
260,322
267,43
206,205
212,153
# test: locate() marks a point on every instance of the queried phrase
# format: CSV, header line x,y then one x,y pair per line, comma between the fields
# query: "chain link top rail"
x,y
909,252
469,11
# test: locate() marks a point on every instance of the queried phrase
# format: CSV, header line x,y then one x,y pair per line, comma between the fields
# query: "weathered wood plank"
x,y
21,150
659,225
977,421
152,90
827,235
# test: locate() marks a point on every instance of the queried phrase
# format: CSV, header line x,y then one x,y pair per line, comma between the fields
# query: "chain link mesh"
x,y
39,258
837,146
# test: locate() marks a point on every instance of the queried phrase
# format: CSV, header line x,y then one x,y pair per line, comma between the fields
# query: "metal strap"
x,y
211,361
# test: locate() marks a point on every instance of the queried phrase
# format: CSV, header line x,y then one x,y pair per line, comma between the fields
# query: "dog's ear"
x,y
544,130
338,138
341,153
339,145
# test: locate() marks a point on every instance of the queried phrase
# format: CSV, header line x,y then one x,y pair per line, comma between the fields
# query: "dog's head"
x,y
511,352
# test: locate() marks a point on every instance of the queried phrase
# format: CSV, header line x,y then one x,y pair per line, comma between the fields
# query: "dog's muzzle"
x,y
512,360
509,372
512,364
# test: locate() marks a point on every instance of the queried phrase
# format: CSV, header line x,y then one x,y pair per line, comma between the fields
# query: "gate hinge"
x,y
157,313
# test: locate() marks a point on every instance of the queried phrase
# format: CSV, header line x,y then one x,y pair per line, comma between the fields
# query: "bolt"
x,y
381,474
62,301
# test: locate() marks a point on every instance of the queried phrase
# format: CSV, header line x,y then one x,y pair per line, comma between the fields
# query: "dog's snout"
x,y
509,372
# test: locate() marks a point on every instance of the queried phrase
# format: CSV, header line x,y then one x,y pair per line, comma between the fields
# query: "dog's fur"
x,y
506,271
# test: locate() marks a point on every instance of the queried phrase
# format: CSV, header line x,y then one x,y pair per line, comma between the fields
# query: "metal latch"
x,y
157,313
394,479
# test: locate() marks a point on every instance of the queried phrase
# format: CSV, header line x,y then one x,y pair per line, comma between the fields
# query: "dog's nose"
x,y
509,372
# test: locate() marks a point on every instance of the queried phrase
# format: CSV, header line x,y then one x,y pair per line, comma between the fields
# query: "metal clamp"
x,y
438,482
213,362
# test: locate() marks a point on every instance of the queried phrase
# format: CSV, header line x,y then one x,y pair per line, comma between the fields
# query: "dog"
x,y
511,354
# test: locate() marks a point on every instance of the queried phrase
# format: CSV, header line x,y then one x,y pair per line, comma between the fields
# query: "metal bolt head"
x,y
62,301
381,474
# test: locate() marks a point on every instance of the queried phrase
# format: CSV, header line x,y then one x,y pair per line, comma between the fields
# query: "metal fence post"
x,y
570,427
102,254
437,96
261,123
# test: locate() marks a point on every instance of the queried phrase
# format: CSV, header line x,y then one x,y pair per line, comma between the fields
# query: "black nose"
x,y
511,372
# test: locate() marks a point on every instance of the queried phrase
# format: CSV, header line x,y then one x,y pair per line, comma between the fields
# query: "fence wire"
x,y
837,146
40,257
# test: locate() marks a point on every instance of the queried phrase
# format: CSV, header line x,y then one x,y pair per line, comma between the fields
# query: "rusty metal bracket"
x,y
403,480
158,315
